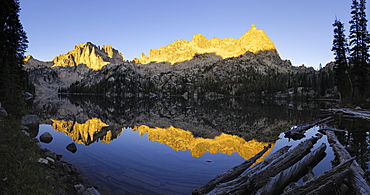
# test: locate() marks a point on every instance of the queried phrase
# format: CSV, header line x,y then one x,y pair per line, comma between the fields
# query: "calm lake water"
x,y
174,145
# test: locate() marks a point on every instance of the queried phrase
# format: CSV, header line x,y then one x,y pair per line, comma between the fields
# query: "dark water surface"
x,y
174,145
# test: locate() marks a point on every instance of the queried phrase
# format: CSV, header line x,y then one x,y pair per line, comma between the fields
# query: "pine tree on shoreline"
x,y
340,49
13,44
359,48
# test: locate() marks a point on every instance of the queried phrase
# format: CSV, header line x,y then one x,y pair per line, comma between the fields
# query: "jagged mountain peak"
x,y
91,55
30,62
254,40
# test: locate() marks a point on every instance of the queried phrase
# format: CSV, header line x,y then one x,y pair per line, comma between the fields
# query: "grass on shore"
x,y
19,171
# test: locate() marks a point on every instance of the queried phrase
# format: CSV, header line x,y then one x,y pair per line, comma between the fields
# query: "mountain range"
x,y
94,57
87,53
254,40
249,66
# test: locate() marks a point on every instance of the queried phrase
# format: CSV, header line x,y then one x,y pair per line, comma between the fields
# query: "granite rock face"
x,y
89,54
255,40
65,69
250,66
31,62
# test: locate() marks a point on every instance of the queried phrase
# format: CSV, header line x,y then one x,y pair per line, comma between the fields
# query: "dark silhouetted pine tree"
x,y
340,49
13,43
359,47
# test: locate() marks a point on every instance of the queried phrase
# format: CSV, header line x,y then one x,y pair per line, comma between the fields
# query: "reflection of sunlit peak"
x,y
85,133
179,139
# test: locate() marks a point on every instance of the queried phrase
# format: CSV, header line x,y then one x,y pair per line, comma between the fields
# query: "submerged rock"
x,y
92,191
72,147
46,137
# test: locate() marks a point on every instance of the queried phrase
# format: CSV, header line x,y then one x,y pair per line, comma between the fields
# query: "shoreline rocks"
x,y
69,175
32,123
71,178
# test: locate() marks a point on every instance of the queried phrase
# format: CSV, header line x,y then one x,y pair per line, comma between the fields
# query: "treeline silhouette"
x,y
351,66
13,44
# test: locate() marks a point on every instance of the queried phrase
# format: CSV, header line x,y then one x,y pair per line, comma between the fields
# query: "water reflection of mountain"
x,y
262,121
91,131
179,139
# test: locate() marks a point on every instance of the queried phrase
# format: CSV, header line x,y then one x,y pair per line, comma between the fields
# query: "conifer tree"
x,y
340,48
359,47
13,43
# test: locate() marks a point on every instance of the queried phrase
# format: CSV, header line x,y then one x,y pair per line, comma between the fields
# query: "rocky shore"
x,y
70,178
67,173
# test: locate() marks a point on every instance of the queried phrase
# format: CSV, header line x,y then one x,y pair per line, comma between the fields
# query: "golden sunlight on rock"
x,y
86,133
90,55
179,139
254,40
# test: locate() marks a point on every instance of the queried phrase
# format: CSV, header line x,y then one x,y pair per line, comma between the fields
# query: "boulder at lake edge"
x,y
72,147
46,137
32,122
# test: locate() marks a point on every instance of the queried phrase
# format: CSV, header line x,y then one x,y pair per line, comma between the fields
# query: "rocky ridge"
x,y
255,40
256,70
87,53
31,62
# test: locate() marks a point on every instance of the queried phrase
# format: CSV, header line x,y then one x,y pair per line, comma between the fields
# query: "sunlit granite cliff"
x,y
89,54
254,40
179,139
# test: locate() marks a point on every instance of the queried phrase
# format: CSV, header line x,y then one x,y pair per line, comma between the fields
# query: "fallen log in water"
x,y
259,178
231,173
356,177
324,182
228,186
276,184
350,113
285,161
331,129
298,132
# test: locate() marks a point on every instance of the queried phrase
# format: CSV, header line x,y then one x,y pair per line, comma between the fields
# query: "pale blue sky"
x,y
301,30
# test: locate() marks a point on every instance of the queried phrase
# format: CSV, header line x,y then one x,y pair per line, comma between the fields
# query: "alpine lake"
x,y
172,145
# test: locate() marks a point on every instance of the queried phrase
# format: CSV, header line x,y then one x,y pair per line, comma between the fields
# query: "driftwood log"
x,y
325,128
231,173
350,113
248,183
228,186
324,182
277,183
298,132
356,177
